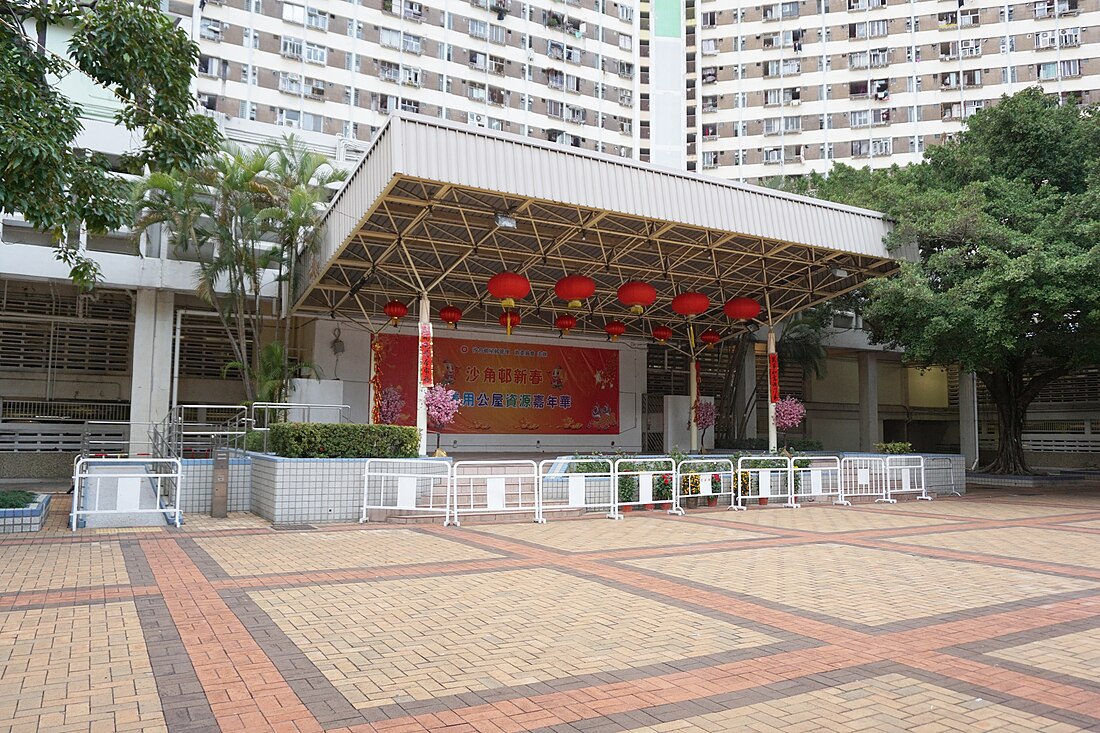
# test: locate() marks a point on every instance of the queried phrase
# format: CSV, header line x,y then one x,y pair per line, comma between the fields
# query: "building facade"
x,y
740,90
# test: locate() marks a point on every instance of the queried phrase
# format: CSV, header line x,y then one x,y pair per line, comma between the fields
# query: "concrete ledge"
x,y
29,519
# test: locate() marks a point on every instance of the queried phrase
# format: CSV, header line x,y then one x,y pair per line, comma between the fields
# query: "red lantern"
x,y
508,287
450,315
742,309
637,296
396,310
509,319
710,337
662,334
575,288
565,323
690,304
614,329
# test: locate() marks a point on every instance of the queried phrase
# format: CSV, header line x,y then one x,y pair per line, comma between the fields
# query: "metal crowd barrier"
x,y
772,478
862,476
703,469
905,474
814,477
561,488
406,484
489,487
641,474
102,476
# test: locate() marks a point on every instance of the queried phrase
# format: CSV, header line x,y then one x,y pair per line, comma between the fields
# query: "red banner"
x,y
508,388
773,377
426,355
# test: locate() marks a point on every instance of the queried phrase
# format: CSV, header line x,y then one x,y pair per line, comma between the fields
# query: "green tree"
x,y
1004,222
132,49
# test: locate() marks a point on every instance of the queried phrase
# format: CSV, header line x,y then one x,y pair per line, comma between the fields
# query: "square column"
x,y
870,427
746,383
150,365
968,417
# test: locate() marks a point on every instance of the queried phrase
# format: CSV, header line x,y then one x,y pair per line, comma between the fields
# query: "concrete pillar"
x,y
151,365
746,383
870,427
968,417
773,433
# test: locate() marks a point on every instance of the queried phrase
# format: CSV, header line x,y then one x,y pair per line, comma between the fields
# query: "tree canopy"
x,y
132,49
1003,222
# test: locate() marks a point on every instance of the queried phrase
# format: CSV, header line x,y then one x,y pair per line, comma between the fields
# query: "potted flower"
x,y
704,414
689,486
662,491
628,486
443,404
715,485
789,414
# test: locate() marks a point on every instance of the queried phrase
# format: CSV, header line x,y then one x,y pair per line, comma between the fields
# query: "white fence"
x,y
576,483
493,487
602,484
125,492
407,485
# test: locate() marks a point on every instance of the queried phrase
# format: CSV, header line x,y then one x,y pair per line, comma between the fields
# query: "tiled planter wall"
x,y
197,488
298,490
30,519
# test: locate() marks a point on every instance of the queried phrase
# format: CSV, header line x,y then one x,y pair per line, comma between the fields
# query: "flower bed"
x,y
28,518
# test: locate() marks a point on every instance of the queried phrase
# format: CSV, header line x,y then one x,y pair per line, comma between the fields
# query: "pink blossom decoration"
x,y
789,413
705,414
392,405
442,405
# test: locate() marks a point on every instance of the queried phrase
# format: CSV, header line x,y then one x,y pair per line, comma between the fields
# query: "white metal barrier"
x,y
575,483
762,477
406,485
814,477
635,476
126,478
905,474
862,476
706,471
480,487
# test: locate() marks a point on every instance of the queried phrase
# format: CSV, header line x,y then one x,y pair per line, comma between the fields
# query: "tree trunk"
x,y
1012,397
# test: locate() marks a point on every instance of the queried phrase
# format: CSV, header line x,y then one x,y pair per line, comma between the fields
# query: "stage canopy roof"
x,y
424,208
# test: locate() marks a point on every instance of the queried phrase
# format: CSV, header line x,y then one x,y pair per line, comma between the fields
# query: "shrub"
x,y
343,440
895,448
801,445
15,499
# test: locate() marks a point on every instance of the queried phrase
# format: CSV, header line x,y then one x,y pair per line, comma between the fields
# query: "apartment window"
x,y
1055,70
710,103
916,144
291,47
317,20
411,44
1050,8
880,57
413,11
476,91
861,148
710,131
497,34
573,54
709,47
254,6
1008,44
555,79
973,106
912,24
290,83
710,74
792,124
1046,39
479,28
912,53
302,120
972,78
410,76
247,110
294,13
880,117
882,146
1011,13
710,158
389,38
772,126
211,29
626,98
970,17
251,38
773,155
826,151
971,47
496,65
858,89
626,42
575,114
498,96
355,30
555,50
351,62
857,60
626,69
410,105
572,84
389,71
316,54
947,20
708,19
626,12
555,108
782,10
1069,37
784,67
212,66
859,118
250,74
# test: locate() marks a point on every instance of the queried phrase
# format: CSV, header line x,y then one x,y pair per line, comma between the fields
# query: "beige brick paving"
x,y
883,704
235,520
826,519
76,669
25,567
396,641
298,552
588,535
858,584
1075,654
1043,545
1091,524
978,509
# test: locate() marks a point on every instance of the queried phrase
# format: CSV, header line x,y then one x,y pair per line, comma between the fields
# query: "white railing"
x,y
126,478
905,474
407,485
563,487
762,477
813,477
640,472
862,476
492,487
705,470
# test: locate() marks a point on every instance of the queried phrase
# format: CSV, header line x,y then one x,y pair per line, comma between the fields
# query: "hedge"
x,y
796,446
343,440
16,499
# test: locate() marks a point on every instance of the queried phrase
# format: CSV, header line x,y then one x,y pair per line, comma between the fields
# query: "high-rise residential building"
x,y
741,90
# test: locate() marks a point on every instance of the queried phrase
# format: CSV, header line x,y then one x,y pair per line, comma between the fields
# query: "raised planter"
x,y
28,519
197,485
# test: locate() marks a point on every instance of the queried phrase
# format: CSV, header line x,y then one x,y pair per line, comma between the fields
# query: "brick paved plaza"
x,y
968,614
